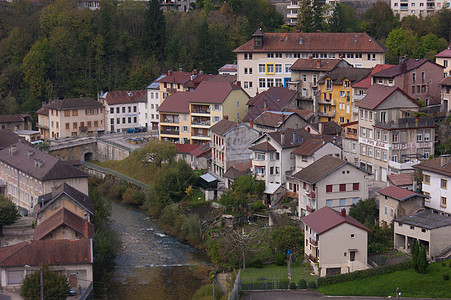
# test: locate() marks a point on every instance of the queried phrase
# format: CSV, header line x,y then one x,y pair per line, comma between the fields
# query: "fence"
x,y
87,293
235,293
272,280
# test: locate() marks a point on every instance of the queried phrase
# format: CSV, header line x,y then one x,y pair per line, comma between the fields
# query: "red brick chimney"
x,y
343,212
251,123
85,229
318,63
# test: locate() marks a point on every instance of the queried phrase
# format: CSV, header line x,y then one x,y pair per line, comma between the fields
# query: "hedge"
x,y
333,279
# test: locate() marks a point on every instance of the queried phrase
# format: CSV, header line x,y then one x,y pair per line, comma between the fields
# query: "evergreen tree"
x,y
305,19
154,31
422,261
414,252
8,213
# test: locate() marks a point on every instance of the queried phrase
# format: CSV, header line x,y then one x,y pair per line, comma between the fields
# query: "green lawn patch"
x,y
410,283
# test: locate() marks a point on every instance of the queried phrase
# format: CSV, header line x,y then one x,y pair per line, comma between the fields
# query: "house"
x,y
335,243
184,152
417,8
265,60
431,230
228,69
444,59
270,121
71,258
7,138
391,139
73,117
175,118
230,146
350,142
201,157
436,175
418,78
180,81
29,135
231,175
445,84
403,180
124,108
305,74
29,173
335,93
176,5
330,181
15,122
396,202
43,123
153,101
312,150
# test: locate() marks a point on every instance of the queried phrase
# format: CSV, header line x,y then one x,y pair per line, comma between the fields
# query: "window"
x,y
443,183
414,77
351,255
427,136
216,107
426,179
216,119
328,84
250,70
347,84
356,186
385,210
342,187
270,55
419,136
363,149
395,138
279,82
287,68
370,151
378,154
443,201
391,212
261,68
269,68
329,188
342,202
355,200
74,125
342,94
304,78
260,156
269,82
245,70
185,129
262,82
329,203
278,68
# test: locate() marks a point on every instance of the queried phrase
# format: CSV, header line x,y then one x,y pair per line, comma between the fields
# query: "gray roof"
x,y
38,164
7,137
352,74
155,85
425,219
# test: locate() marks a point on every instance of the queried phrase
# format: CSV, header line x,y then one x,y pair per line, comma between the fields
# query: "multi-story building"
x,y
230,146
444,59
335,93
153,102
123,109
445,83
418,8
293,8
419,78
186,117
312,150
72,117
15,122
350,142
270,121
305,74
43,123
330,181
391,139
180,81
29,173
176,5
436,175
335,243
266,59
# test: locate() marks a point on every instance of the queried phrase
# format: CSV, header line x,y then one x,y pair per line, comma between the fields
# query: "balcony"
x,y
310,209
313,259
42,126
407,123
200,109
314,242
168,119
311,194
291,194
170,132
201,122
403,166
330,114
292,16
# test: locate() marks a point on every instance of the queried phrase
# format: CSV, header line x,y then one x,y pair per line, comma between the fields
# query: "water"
x,y
150,264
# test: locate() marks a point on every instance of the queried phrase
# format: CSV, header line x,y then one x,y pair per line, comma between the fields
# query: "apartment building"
x,y
270,121
266,59
293,9
72,117
350,142
445,84
230,146
391,139
418,78
180,81
28,173
123,109
335,93
444,59
312,150
330,181
43,123
153,102
175,120
418,8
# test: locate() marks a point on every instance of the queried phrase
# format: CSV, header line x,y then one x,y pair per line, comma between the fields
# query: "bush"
x,y
258,263
258,206
312,285
450,264
302,284
292,285
443,264
445,276
279,259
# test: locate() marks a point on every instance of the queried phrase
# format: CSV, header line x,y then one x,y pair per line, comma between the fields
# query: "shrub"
x,y
443,264
445,276
258,263
258,205
279,259
312,285
292,285
450,264
302,284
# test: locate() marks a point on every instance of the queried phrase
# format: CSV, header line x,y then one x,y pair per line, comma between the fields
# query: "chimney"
x,y
265,104
226,117
294,137
194,71
12,149
282,138
30,152
320,128
169,72
343,212
180,70
444,160
403,64
251,123
318,63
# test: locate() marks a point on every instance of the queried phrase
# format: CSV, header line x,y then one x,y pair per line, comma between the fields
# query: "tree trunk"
x,y
244,262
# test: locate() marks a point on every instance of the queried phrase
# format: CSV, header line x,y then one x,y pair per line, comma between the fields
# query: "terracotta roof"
x,y
322,168
398,193
445,53
275,98
177,77
43,111
38,164
51,252
63,217
7,251
273,118
377,94
233,173
224,78
306,114
223,126
176,103
198,79
125,97
264,147
213,92
426,219
315,42
366,82
229,68
75,103
401,179
446,81
349,124
327,218
329,128
7,138
411,63
204,150
77,196
185,148
324,65
434,165
292,137
338,75
14,118
309,147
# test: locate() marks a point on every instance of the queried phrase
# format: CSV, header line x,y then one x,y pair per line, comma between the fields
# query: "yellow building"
x,y
186,117
335,94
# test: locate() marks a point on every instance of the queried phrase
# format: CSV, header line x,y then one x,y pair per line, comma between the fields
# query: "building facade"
x,y
444,59
417,7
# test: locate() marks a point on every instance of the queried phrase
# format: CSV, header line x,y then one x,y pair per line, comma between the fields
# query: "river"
x,y
150,264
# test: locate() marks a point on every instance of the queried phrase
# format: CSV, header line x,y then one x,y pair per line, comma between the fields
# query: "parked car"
x,y
131,130
72,292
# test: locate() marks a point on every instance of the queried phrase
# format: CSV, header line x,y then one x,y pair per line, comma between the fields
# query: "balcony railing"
x,y
312,258
200,111
313,242
291,194
408,123
174,121
311,194
310,209
403,166
330,114
204,123
207,135
173,132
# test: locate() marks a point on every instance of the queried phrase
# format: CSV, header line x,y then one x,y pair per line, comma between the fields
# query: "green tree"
x,y
422,261
365,211
157,152
430,45
55,285
8,213
8,104
287,238
244,190
192,227
380,20
306,17
343,18
414,251
154,30
400,42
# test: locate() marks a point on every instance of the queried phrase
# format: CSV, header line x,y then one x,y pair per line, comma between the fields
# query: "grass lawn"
x,y
272,271
410,283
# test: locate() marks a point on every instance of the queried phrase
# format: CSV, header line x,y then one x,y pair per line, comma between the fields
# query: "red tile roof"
x,y
213,92
411,63
435,165
185,148
315,42
51,252
75,103
223,126
401,179
377,94
445,53
224,78
309,147
324,65
229,68
176,103
125,97
264,147
203,150
198,79
366,82
291,137
14,118
7,138
43,111
446,81
273,118
398,193
177,77
327,218
275,98
306,114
